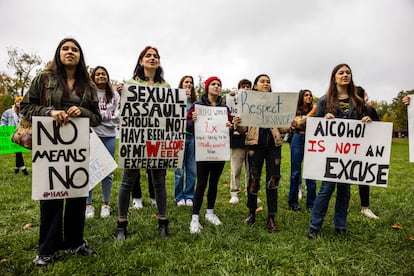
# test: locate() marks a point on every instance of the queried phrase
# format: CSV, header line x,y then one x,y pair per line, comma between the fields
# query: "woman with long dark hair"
x,y
264,145
305,108
340,101
106,131
69,93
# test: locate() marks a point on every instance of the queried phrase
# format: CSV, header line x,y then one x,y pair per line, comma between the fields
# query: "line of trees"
x,y
24,65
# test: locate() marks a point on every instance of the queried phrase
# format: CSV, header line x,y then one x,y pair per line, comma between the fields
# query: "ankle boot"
x,y
271,224
122,230
163,228
251,218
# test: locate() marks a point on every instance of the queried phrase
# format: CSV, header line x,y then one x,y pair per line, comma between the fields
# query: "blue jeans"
x,y
189,167
296,158
110,144
320,207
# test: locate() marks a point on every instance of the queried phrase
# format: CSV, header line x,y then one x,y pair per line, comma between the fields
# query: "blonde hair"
x,y
18,98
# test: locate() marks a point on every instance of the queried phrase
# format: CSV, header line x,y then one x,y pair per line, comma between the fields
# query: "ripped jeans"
x,y
256,157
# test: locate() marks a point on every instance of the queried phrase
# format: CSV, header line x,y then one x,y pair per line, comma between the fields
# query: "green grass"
x,y
373,247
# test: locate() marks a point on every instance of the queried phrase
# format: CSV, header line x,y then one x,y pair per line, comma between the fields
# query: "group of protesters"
x,y
73,92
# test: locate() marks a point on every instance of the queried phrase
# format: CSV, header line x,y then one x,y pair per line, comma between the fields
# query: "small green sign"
x,y
6,145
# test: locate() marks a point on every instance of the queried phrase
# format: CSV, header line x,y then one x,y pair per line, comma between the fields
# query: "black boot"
x,y
122,232
271,224
163,228
25,172
251,218
16,170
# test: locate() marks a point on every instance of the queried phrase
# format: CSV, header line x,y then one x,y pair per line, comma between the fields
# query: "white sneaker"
x,y
137,203
105,211
195,227
234,200
212,218
89,211
189,202
153,202
368,213
181,202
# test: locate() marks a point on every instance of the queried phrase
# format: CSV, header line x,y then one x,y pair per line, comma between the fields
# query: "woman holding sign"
x,y
208,172
148,72
263,144
69,93
340,101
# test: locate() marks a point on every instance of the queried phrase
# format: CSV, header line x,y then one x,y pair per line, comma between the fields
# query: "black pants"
x,y
19,160
257,155
136,189
364,195
207,172
61,224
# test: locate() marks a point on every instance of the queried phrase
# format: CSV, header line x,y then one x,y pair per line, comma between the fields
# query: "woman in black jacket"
x,y
340,101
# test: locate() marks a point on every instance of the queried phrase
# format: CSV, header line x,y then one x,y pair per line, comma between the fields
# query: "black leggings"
x,y
204,170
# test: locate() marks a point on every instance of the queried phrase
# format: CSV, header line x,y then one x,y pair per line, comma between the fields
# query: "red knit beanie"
x,y
208,81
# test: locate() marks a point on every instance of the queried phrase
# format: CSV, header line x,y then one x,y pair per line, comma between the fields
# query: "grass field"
x,y
373,247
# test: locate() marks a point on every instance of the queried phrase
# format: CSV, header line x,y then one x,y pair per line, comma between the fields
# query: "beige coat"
x,y
252,135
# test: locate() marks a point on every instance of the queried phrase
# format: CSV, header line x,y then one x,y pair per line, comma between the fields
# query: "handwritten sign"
x,y
60,158
263,109
410,115
347,151
152,127
232,100
6,145
101,162
212,142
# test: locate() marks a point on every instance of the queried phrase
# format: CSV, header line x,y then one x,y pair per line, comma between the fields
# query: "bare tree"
x,y
22,64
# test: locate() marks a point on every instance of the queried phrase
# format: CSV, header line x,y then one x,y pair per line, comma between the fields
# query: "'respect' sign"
x,y
347,151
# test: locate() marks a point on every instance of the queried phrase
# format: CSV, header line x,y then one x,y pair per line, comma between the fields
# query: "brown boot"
x,y
271,224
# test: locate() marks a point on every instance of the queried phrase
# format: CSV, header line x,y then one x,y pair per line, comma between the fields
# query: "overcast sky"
x,y
296,42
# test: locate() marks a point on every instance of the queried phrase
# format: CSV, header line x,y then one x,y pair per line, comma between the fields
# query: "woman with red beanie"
x,y
208,172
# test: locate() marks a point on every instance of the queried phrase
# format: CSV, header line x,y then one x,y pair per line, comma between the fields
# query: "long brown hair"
x,y
332,93
82,79
303,108
193,96
108,88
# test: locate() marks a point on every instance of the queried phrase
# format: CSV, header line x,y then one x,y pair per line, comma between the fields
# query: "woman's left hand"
x,y
366,119
74,111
